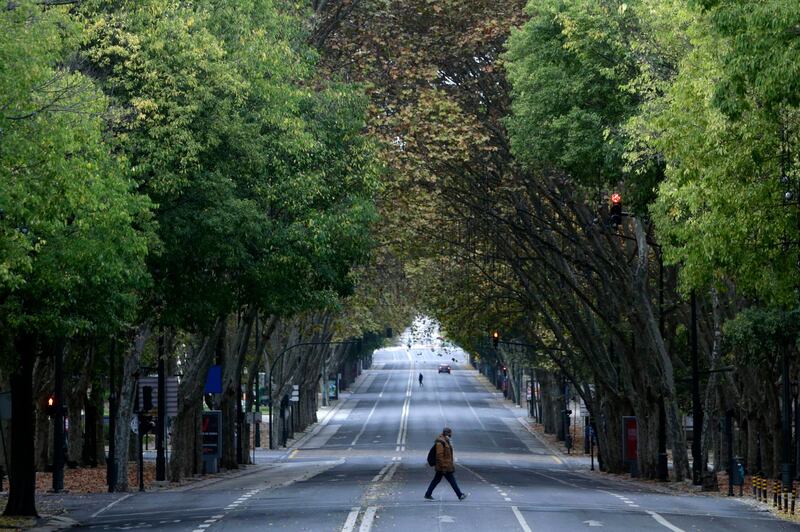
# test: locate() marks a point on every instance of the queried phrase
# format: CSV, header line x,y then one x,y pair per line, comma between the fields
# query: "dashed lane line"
x,y
366,421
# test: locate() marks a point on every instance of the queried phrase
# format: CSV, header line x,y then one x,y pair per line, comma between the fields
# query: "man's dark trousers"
x,y
438,478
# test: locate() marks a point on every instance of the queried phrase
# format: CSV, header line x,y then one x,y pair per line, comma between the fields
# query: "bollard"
x,y
776,494
794,495
757,487
785,507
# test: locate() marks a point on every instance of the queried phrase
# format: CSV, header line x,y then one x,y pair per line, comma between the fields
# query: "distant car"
x,y
444,368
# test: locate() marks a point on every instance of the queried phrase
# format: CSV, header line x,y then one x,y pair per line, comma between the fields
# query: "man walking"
x,y
420,379
445,466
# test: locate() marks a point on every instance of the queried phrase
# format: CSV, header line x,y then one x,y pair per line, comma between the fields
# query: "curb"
x,y
56,522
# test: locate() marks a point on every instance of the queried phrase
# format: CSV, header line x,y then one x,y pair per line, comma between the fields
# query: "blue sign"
x,y
214,380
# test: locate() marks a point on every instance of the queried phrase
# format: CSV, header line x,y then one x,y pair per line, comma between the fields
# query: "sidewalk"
x,y
85,494
579,463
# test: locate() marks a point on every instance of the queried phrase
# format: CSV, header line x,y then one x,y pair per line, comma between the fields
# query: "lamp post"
x,y
790,197
272,368
697,409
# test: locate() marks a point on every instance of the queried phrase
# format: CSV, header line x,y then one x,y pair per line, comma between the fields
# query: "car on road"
x,y
444,368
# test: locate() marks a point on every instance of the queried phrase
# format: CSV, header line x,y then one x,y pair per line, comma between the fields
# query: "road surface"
x,y
364,470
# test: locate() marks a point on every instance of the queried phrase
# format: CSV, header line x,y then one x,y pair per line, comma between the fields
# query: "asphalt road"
x,y
364,469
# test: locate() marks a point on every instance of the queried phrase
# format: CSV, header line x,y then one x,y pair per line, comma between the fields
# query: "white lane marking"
x,y
366,421
663,522
377,477
391,472
404,415
203,526
104,508
220,516
504,494
522,523
507,499
350,522
367,519
210,521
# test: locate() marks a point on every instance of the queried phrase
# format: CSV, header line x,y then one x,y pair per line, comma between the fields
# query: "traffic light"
x,y
147,398
495,338
50,407
615,213
146,424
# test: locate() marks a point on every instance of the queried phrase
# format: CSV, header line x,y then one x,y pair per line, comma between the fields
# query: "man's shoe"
x,y
429,498
463,496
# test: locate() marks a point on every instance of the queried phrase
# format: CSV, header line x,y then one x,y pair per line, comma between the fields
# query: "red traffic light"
x,y
616,198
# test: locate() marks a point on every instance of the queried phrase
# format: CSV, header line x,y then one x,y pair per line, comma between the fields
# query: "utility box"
x,y
212,440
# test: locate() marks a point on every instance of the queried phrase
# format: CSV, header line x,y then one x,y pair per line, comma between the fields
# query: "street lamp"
x,y
272,368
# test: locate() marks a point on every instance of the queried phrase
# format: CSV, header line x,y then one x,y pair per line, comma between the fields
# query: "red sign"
x,y
630,438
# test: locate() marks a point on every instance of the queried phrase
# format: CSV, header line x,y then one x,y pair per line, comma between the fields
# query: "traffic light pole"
x,y
111,466
58,422
161,417
662,467
697,410
786,466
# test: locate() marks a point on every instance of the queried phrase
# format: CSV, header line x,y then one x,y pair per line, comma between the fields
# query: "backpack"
x,y
432,456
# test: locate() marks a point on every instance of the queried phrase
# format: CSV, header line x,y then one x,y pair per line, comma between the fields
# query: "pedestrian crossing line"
x,y
521,519
367,519
350,522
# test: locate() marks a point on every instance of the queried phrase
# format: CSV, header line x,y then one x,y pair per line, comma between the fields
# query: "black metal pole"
x,y
239,425
58,421
786,466
141,458
697,411
161,415
797,438
729,440
111,466
567,442
662,465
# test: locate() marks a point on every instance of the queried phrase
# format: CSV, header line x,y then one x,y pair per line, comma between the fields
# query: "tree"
x,y
74,231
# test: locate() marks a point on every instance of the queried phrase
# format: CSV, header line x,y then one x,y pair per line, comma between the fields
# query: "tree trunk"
x,y
230,403
122,436
186,454
22,475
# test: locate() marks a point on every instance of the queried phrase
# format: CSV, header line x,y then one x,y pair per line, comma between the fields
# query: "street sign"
x,y
213,380
295,393
172,393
